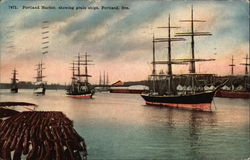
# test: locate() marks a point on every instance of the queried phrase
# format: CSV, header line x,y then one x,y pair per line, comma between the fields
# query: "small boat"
x,y
80,86
14,87
196,98
39,83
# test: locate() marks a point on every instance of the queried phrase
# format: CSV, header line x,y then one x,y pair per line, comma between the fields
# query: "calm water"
x,y
120,126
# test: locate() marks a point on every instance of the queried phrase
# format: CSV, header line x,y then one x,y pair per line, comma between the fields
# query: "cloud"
x,y
120,41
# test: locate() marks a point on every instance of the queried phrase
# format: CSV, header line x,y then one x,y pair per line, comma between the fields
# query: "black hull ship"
x,y
40,88
14,88
192,99
80,87
198,101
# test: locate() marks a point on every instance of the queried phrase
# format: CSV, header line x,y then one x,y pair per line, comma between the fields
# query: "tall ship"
x,y
103,83
39,83
80,86
14,87
238,86
192,97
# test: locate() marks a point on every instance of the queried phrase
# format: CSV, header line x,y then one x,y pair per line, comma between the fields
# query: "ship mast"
x,y
232,65
100,79
247,71
85,63
153,71
78,65
247,64
153,63
73,72
86,68
104,80
14,79
169,39
107,79
192,34
39,69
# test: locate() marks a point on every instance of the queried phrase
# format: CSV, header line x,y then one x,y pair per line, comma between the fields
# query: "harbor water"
x,y
122,127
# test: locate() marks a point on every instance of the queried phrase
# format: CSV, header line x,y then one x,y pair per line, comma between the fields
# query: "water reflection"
x,y
170,118
198,121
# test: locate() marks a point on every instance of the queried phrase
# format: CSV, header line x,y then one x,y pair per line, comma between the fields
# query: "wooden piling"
x,y
47,136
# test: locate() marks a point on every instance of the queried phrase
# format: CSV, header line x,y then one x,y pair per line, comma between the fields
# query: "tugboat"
x,y
39,83
194,97
234,89
14,88
80,86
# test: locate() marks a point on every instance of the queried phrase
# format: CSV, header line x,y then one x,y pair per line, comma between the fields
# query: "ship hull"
x,y
14,90
40,91
232,94
81,96
200,101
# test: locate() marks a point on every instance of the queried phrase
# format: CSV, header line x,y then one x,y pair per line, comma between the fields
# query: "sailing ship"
x,y
39,83
196,98
234,89
80,86
14,88
103,83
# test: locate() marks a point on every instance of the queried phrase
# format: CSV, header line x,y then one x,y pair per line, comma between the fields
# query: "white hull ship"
x,y
40,88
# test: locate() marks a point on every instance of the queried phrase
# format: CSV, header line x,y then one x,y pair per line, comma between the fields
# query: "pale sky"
x,y
119,41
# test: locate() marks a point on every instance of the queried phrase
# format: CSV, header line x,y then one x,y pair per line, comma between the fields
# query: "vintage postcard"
x,y
124,79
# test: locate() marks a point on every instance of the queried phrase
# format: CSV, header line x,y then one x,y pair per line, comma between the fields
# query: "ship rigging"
x,y
80,86
195,98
